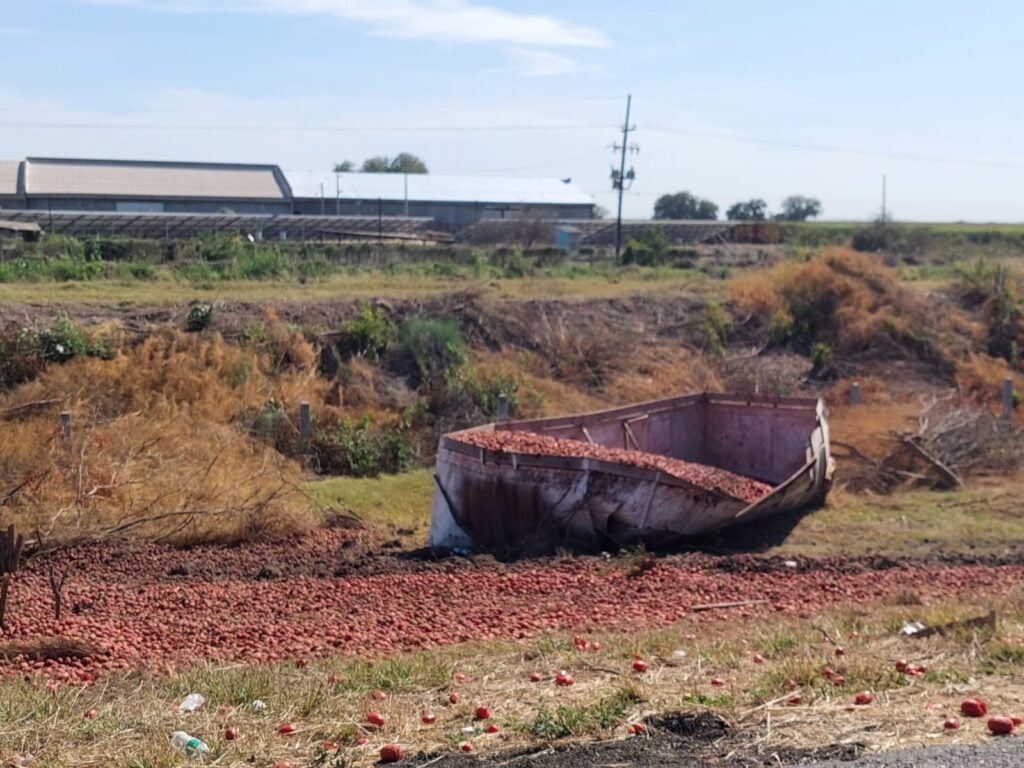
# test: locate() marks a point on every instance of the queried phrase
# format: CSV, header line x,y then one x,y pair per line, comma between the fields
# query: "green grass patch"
x,y
390,501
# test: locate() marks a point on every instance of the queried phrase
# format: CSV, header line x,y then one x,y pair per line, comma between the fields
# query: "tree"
x,y
799,208
404,162
346,166
683,205
751,210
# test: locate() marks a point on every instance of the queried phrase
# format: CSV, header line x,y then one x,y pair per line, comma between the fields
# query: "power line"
x,y
719,136
306,128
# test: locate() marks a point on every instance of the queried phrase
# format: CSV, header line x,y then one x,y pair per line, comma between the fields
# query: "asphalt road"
x,y
1007,752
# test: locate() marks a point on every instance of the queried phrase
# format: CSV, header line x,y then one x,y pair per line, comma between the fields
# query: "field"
x,y
181,539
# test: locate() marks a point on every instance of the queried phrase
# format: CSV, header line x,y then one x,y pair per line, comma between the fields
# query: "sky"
x,y
730,101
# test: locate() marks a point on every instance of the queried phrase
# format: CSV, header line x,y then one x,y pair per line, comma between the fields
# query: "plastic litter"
x,y
189,745
25,760
192,702
912,628
259,705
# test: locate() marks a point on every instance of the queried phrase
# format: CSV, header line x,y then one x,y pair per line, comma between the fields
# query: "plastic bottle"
x,y
191,703
190,745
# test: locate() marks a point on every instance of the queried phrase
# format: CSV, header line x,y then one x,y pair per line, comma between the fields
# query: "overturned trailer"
x,y
649,473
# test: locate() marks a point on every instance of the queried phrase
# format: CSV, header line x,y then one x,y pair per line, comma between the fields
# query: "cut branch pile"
x,y
951,442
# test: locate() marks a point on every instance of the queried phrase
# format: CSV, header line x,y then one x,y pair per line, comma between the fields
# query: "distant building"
x,y
132,186
452,201
149,187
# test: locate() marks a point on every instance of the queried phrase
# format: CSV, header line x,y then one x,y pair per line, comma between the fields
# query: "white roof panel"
x,y
438,189
9,177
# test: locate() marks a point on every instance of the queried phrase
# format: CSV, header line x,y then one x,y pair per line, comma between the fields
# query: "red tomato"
x,y
459,676
466,746
951,724
717,682
453,698
90,714
230,733
794,701
639,665
378,695
1016,720
428,718
758,658
282,764
973,708
390,753
827,672
287,729
838,680
492,728
329,746
901,665
482,713
864,697
535,677
1000,725
375,718
840,651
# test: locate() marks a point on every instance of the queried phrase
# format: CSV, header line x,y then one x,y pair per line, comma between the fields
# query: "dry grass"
x,y
158,443
328,700
852,302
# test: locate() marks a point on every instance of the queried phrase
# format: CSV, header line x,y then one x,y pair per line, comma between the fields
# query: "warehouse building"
x,y
147,187
453,202
131,186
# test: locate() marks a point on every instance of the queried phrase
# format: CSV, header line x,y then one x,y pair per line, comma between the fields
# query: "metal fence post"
x,y
304,427
65,431
1008,399
855,393
502,407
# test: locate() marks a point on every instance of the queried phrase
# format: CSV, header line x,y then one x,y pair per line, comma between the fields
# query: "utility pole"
x,y
883,199
620,178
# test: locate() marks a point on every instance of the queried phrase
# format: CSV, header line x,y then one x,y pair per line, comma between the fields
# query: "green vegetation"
x,y
368,334
389,501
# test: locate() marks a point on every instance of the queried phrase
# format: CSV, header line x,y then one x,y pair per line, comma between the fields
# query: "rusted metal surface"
x,y
499,499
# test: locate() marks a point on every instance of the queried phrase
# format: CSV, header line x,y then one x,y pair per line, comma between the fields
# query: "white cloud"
x,y
460,21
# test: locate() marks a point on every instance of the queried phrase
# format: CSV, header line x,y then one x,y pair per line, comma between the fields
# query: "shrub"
x,y
651,250
369,333
362,449
59,342
513,264
434,348
262,263
473,396
715,327
821,358
199,318
315,267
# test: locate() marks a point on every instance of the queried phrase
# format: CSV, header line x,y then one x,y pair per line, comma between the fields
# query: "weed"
x,y
434,346
369,333
715,327
199,318
362,449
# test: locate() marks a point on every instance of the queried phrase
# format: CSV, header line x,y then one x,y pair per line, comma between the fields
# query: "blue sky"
x,y
730,101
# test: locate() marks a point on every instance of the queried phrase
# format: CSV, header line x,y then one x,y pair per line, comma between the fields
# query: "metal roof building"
x,y
452,201
143,186
151,187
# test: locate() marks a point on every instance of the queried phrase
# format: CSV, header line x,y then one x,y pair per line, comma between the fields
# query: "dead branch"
x,y
19,410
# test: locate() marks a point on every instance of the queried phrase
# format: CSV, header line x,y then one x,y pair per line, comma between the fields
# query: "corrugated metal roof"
x,y
439,189
115,178
9,177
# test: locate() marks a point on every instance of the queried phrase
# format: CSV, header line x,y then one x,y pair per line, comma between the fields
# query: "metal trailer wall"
x,y
522,502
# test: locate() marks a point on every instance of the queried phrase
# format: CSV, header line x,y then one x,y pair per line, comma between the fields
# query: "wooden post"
x,y
502,407
304,427
855,393
1008,399
65,431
